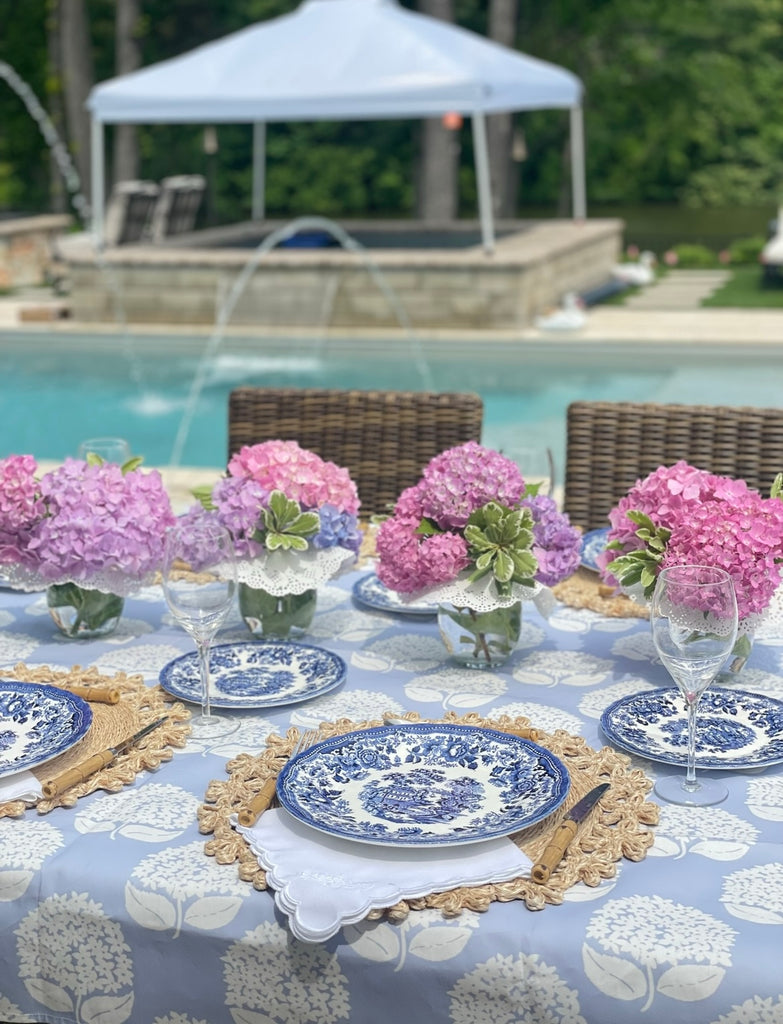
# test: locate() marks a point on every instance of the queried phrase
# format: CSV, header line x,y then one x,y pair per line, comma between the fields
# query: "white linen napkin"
x,y
322,882
20,786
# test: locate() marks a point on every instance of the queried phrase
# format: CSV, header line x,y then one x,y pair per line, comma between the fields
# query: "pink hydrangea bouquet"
x,y
281,499
472,530
681,515
87,523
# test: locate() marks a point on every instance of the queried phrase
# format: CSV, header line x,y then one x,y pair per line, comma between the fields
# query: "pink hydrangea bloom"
x,y
455,484
714,520
21,506
463,479
97,519
300,474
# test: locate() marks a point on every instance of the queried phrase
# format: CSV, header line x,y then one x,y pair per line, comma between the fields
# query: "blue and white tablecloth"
x,y
111,912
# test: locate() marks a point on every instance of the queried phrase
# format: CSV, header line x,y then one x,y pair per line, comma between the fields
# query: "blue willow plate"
x,y
422,785
38,722
370,592
734,729
593,544
256,674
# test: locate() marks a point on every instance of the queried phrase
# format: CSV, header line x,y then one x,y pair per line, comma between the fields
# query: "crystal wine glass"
x,y
110,449
694,627
199,583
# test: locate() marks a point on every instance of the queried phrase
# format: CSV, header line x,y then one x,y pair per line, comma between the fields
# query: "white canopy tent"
x,y
341,60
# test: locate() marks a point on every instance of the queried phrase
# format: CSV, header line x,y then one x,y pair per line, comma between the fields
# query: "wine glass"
x,y
199,582
694,627
110,449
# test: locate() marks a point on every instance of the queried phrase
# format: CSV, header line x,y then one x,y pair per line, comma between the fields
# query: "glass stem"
x,y
692,701
203,646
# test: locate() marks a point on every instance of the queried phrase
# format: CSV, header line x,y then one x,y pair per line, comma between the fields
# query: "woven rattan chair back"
x,y
384,438
611,445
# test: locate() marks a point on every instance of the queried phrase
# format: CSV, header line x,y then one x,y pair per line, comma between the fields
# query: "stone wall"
x,y
27,248
528,273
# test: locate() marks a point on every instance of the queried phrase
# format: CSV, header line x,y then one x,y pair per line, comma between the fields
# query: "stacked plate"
x,y
422,785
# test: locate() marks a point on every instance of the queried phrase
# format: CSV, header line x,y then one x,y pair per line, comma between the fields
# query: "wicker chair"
x,y
384,438
610,445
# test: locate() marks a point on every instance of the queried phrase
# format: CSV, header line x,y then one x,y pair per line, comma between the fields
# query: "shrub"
x,y
747,250
692,256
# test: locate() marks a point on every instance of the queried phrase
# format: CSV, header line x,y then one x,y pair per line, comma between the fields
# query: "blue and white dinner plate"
x,y
734,729
422,785
593,544
38,722
256,674
370,592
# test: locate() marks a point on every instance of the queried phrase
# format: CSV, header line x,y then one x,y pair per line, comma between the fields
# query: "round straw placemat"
x,y
585,589
617,829
138,705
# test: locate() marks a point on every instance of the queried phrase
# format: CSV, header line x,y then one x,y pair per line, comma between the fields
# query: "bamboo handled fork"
x,y
250,814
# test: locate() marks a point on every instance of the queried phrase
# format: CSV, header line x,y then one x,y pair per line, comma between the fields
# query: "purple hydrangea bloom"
x,y
556,543
337,528
240,502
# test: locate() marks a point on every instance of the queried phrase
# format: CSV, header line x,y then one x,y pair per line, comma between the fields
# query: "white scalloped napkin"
x,y
20,786
322,882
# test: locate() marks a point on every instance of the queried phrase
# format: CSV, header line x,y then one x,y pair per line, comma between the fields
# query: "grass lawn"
x,y
746,289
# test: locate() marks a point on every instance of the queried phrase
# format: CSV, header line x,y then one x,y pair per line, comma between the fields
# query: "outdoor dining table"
x,y
111,911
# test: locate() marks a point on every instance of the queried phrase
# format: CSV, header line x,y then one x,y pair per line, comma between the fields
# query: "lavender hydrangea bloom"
x,y
555,542
100,519
240,501
337,528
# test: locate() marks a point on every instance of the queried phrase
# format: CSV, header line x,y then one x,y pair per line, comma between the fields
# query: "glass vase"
x,y
735,663
481,640
276,617
81,613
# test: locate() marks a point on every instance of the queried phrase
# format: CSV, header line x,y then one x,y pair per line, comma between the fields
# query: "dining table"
x,y
130,903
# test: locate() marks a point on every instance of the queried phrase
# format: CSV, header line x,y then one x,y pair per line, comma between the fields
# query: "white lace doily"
x,y
322,882
293,572
482,595
110,581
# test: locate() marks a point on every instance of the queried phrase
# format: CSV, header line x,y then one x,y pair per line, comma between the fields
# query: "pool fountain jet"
x,y
269,243
80,204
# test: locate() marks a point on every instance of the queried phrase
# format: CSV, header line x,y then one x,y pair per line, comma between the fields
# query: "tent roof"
x,y
337,60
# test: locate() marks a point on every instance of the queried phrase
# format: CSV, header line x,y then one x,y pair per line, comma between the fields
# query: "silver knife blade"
x,y
121,747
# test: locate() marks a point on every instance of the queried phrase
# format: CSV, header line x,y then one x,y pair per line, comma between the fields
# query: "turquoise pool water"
x,y
56,390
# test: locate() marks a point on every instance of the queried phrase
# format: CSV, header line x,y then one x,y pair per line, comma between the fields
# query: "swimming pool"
x,y
56,389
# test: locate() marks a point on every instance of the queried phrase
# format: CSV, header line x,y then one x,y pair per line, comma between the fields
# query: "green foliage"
x,y
691,256
286,527
641,567
746,250
499,541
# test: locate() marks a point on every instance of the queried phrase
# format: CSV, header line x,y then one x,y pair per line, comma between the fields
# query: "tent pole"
x,y
481,159
259,170
97,199
578,187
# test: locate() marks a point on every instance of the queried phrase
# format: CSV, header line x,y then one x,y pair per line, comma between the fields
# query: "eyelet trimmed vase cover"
x,y
481,640
82,613
278,590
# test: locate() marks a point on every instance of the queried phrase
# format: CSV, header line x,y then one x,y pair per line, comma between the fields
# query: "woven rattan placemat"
x,y
585,590
138,705
617,829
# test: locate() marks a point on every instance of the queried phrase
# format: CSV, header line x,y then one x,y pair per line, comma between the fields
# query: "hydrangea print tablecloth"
x,y
110,910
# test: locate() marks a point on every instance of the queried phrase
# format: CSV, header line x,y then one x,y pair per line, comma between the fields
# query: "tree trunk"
x,y
504,176
54,104
437,194
77,70
127,58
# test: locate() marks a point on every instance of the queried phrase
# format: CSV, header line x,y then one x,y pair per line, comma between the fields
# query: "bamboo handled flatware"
x,y
80,772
